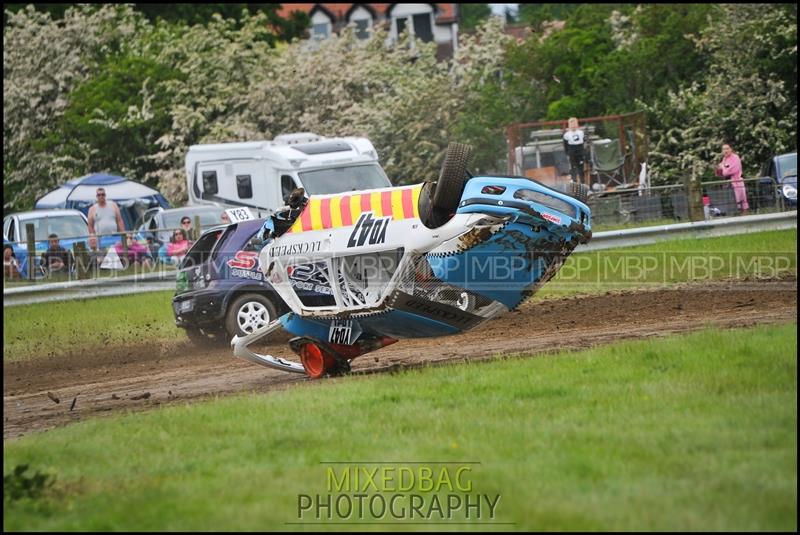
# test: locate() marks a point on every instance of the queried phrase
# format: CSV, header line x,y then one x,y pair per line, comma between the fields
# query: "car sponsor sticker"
x,y
239,214
551,218
369,230
244,260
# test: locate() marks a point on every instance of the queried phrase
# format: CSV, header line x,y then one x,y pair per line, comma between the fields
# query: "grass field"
x,y
694,432
43,330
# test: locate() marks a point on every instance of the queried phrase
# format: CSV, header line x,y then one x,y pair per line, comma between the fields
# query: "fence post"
x,y
124,259
81,259
694,197
196,229
31,239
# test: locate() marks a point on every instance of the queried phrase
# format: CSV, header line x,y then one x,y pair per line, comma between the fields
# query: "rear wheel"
x,y
452,177
247,313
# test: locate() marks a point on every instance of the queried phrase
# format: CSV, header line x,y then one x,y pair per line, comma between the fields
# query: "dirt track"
x,y
139,377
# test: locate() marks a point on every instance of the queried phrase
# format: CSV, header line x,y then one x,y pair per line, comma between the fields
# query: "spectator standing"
x,y
104,216
573,146
10,265
56,259
178,245
731,167
137,253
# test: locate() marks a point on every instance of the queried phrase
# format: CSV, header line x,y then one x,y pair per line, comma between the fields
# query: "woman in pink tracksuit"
x,y
731,167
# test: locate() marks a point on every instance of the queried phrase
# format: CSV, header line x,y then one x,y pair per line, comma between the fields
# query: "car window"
x,y
341,179
7,229
200,251
788,165
64,226
173,220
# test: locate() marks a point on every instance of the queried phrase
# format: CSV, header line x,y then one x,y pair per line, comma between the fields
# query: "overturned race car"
x,y
361,270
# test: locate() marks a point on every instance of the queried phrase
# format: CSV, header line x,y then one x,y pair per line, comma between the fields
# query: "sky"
x,y
500,9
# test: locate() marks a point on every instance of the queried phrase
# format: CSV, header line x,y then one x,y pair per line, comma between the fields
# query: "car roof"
x,y
37,214
199,208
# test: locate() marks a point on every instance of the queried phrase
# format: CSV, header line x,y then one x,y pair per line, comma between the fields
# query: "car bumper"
x,y
198,309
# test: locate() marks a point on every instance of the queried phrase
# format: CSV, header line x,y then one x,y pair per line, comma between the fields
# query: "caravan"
x,y
261,174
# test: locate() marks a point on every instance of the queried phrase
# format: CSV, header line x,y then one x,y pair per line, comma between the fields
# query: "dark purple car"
x,y
220,290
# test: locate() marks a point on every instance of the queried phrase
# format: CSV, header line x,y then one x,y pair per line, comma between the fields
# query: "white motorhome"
x,y
260,174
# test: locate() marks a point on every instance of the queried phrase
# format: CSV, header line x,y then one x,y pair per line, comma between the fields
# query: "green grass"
x,y
42,330
694,432
762,254
50,329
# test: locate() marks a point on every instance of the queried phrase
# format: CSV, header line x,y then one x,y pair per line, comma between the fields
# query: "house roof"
x,y
445,13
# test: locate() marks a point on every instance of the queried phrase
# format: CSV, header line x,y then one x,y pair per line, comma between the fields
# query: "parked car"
x,y
71,226
220,290
781,170
158,218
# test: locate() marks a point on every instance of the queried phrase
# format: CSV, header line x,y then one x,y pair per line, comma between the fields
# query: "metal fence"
x,y
86,262
673,203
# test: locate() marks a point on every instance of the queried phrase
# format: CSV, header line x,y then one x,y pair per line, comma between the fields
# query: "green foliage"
x,y
472,15
127,90
747,96
17,485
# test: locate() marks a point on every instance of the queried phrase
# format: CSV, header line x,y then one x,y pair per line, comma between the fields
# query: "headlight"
x,y
789,191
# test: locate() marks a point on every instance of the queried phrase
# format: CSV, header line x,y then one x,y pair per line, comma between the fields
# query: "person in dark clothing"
x,y
56,259
573,146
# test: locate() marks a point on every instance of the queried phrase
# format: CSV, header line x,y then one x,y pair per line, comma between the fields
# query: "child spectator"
x,y
56,259
10,266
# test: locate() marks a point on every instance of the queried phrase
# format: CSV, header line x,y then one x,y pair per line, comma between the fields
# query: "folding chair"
x,y
608,162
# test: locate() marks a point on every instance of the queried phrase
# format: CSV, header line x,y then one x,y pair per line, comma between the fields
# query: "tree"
x,y
472,15
746,97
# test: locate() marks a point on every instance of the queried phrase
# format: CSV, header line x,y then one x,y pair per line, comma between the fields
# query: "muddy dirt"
x,y
42,393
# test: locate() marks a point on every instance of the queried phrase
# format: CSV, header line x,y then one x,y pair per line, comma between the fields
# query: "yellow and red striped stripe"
x,y
344,210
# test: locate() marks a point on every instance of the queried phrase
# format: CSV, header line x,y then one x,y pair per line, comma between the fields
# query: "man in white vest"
x,y
104,216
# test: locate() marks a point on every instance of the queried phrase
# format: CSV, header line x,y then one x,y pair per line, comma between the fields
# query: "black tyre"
x,y
202,337
454,174
247,313
578,190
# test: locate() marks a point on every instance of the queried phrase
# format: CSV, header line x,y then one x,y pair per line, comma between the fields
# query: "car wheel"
x,y
202,337
450,185
247,313
578,191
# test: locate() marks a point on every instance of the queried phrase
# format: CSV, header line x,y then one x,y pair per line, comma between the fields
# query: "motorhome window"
x,y
347,178
244,186
287,186
210,182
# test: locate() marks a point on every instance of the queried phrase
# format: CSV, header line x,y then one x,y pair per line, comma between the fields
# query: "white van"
x,y
261,174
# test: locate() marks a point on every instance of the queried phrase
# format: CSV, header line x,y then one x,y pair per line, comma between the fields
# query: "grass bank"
x,y
693,432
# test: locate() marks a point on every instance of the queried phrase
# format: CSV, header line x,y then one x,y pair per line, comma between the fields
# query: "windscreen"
x,y
788,165
70,226
207,217
341,179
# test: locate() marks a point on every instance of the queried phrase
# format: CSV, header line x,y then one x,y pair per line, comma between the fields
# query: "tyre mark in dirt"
x,y
139,378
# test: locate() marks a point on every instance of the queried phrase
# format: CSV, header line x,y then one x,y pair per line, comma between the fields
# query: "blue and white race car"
x,y
361,270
